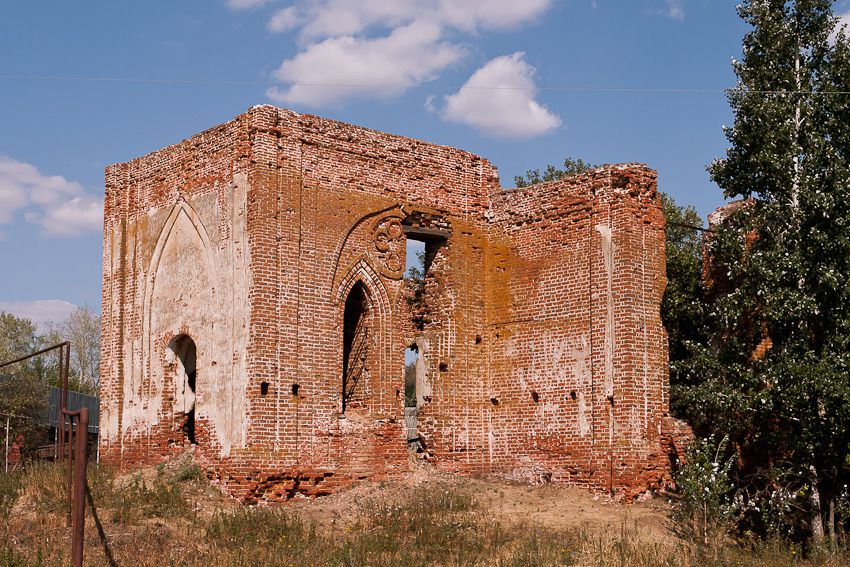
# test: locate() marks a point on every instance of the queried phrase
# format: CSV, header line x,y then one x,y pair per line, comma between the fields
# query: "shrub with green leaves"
x,y
704,509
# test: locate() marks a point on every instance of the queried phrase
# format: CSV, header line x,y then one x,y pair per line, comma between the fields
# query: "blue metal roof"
x,y
76,400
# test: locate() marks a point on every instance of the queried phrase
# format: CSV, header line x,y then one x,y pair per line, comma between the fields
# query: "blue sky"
x,y
637,80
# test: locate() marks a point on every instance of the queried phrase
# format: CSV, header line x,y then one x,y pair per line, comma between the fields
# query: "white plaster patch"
x,y
423,384
556,365
608,262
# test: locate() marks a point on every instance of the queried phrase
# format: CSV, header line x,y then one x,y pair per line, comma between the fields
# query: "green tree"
x,y
17,337
682,306
775,374
82,329
23,392
571,166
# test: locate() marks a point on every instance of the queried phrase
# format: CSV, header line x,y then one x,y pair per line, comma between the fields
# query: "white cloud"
x,y
12,198
245,4
498,99
39,311
358,67
61,207
70,218
375,43
675,9
494,14
328,18
284,20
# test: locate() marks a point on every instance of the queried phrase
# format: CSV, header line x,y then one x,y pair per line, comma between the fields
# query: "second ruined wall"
x,y
578,352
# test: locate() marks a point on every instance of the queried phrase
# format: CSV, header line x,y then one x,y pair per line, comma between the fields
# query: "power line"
x,y
433,86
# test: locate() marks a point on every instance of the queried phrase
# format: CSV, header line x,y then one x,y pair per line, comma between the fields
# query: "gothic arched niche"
x,y
182,283
179,299
358,332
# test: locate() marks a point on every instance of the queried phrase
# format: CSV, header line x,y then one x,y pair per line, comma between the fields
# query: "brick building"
x,y
254,307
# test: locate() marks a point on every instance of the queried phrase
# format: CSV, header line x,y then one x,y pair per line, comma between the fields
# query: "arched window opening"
x,y
355,347
185,352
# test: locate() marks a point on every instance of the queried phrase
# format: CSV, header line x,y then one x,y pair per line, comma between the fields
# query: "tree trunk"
x,y
832,524
814,501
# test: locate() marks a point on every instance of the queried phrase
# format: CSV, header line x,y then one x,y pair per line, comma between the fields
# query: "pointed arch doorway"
x,y
357,346
186,356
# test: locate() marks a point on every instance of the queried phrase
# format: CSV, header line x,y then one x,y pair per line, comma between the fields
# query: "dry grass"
x,y
172,516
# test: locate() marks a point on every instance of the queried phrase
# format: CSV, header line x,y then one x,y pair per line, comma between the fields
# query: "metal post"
x,y
63,402
77,488
7,444
69,470
60,416
79,519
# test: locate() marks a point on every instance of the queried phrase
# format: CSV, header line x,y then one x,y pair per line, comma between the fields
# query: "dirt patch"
x,y
551,506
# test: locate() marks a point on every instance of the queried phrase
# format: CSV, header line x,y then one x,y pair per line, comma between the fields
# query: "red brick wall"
x,y
286,213
579,355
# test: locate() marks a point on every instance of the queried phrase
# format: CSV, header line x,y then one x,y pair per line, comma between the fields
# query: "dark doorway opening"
x,y
355,340
186,352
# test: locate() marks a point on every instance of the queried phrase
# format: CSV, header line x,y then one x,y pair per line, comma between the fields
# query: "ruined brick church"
x,y
255,310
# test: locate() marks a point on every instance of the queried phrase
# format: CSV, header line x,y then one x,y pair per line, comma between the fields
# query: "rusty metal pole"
x,y
69,468
68,439
79,517
60,416
7,444
64,393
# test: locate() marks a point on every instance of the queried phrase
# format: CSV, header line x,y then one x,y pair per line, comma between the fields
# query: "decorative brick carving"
x,y
390,245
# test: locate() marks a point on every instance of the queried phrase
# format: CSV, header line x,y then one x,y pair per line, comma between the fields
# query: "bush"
x,y
704,510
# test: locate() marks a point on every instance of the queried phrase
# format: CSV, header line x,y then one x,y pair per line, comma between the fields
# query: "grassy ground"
x,y
172,516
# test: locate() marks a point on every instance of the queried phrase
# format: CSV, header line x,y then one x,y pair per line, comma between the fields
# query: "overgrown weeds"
x,y
153,519
44,485
432,525
10,486
133,499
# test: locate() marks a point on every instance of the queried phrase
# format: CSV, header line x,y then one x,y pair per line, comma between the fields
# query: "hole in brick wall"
x,y
415,258
478,339
411,356
498,335
264,388
420,253
414,277
535,396
494,400
573,395
295,388
186,353
444,367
